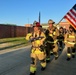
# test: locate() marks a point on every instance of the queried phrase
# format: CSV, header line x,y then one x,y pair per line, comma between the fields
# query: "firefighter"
x,y
37,38
49,42
61,38
70,42
53,33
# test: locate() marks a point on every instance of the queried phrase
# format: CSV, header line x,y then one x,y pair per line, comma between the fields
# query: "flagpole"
x,y
59,21
63,17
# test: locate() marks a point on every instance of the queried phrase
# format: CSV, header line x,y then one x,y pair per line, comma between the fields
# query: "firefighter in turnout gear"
x,y
49,42
52,47
61,38
70,42
37,38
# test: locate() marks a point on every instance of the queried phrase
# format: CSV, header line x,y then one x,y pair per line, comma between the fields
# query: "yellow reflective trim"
x,y
73,53
71,43
65,41
43,64
32,69
54,33
55,41
50,42
50,35
71,36
51,51
69,55
47,58
56,55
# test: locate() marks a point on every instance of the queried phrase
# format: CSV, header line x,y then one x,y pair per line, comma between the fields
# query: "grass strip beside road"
x,y
13,43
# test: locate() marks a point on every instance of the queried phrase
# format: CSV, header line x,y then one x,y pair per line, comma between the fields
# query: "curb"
x,y
11,50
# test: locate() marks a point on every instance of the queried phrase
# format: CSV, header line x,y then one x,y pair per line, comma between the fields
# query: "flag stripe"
x,y
70,21
71,16
73,12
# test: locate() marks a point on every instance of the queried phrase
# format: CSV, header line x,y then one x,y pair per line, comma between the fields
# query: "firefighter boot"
x,y
32,73
68,59
73,52
73,56
60,49
56,58
43,68
68,53
47,60
51,52
56,55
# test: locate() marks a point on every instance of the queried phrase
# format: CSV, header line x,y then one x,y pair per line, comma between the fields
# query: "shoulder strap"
x,y
40,33
54,28
68,35
32,33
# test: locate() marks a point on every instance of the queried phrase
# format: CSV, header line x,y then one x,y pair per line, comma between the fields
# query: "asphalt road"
x,y
17,62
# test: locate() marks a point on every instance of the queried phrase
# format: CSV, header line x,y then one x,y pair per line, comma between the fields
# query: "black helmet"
x,y
71,27
61,28
51,21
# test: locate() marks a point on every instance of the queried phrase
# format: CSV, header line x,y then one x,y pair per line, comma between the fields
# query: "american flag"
x,y
71,16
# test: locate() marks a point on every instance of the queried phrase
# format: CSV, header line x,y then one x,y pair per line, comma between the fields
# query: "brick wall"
x,y
65,25
7,31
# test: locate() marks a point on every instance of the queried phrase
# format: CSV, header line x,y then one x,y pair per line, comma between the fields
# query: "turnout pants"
x,y
55,50
49,48
70,52
36,54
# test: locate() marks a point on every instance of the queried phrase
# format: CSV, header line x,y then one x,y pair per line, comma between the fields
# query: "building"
x,y
45,25
64,25
28,25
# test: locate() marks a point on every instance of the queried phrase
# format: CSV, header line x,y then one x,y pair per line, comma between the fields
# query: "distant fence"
x,y
8,31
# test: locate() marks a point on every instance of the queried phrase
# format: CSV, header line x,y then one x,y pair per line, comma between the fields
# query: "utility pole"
x,y
39,17
28,20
